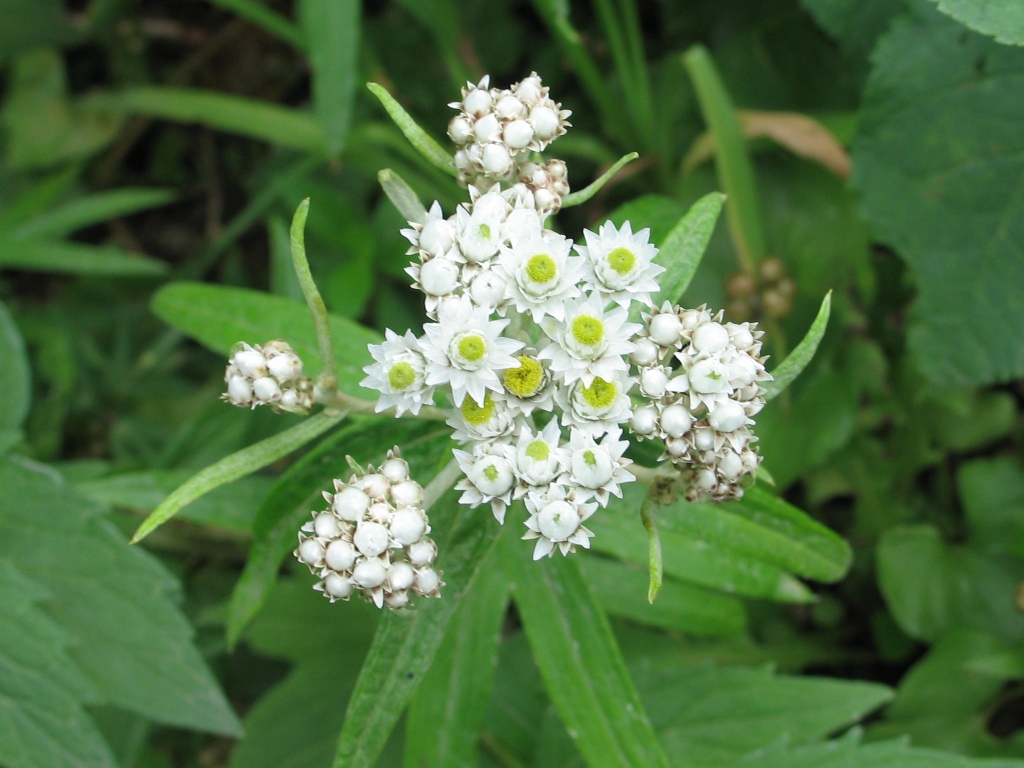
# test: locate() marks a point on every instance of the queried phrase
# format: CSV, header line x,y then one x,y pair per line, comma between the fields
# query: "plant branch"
x,y
328,379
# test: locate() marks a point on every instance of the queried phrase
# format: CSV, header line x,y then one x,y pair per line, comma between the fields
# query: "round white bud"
x,y
665,329
379,512
266,390
740,335
239,390
730,466
487,128
376,486
338,586
422,552
311,552
460,129
728,416
545,122
557,169
645,353
326,526
477,101
544,199
401,575
395,469
529,89
285,367
676,447
644,420
704,439
408,526
371,538
705,480
487,289
509,107
676,420
350,504
436,237
251,363
492,475
653,382
496,159
341,555
407,493
708,376
370,573
558,520
517,134
427,581
396,600
439,277
710,337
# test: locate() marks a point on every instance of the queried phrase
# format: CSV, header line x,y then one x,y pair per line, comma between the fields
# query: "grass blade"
x,y
92,209
264,18
77,259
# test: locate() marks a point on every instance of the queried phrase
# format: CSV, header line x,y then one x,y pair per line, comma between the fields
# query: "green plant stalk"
x,y
581,196
238,465
735,170
328,379
442,481
649,517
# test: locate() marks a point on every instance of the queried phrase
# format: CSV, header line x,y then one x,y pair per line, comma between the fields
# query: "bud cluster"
x,y
270,374
701,378
495,131
372,539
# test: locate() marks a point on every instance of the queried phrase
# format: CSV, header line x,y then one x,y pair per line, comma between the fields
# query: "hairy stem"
x,y
328,379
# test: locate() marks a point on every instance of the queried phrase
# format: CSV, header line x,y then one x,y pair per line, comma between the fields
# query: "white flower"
x,y
556,520
466,350
528,385
399,374
590,342
480,228
539,459
541,274
434,237
489,478
598,469
473,422
619,263
597,407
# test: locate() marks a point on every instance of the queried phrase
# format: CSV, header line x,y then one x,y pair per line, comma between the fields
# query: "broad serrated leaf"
x,y
622,591
298,492
219,317
15,377
331,29
450,705
406,641
1002,19
581,663
118,608
232,114
787,371
708,716
938,160
43,722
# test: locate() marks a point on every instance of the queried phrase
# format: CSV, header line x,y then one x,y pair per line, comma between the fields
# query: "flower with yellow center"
x,y
542,275
589,342
619,264
398,373
597,407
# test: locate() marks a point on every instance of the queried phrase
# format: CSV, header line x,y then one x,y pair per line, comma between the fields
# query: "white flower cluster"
x,y
373,539
703,408
495,131
270,374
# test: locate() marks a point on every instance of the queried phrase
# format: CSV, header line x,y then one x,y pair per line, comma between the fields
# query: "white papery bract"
x,y
399,373
620,263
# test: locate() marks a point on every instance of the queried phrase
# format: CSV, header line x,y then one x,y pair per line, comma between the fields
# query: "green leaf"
x,y
32,24
419,138
126,634
580,661
787,371
992,492
939,165
237,465
856,24
406,641
655,212
76,259
232,114
683,249
712,715
618,532
583,195
402,196
929,586
331,30
91,209
735,170
1002,19
15,375
298,492
449,708
219,317
44,722
622,591
260,15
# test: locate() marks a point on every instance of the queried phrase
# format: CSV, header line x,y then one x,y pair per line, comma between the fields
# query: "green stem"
x,y
328,380
444,480
649,517
339,400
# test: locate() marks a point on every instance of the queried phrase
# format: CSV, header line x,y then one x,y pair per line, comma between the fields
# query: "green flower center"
x,y
622,260
587,330
401,376
472,347
590,458
526,380
541,268
491,472
600,394
485,231
476,414
538,450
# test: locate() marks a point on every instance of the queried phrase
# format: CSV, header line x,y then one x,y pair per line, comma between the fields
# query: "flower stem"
x,y
649,517
328,379
444,480
338,399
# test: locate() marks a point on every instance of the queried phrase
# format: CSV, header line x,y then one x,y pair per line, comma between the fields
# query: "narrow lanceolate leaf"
x,y
233,114
298,492
419,138
15,377
219,316
406,641
259,14
684,247
239,464
580,661
331,29
447,713
577,198
76,259
735,171
402,196
91,209
798,359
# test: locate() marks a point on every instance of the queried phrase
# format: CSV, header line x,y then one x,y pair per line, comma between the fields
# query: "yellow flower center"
x,y
590,458
541,268
401,376
491,472
621,260
600,394
587,330
526,380
538,450
472,347
476,414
